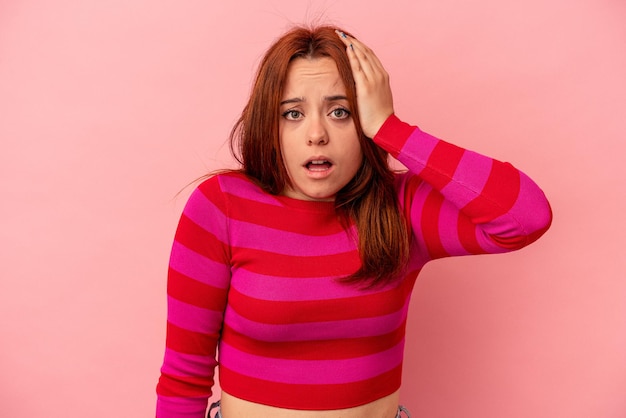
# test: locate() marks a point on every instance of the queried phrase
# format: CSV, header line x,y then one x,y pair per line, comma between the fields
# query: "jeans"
x,y
218,413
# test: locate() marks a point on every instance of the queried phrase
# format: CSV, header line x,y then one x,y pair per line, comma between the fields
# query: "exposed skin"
x,y
232,407
318,127
318,139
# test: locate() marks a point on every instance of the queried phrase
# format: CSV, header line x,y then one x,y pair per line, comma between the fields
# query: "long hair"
x,y
369,199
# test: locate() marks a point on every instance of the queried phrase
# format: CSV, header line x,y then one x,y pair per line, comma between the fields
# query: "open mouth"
x,y
318,165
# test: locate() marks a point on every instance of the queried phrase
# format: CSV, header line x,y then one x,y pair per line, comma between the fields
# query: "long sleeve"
x,y
461,202
198,280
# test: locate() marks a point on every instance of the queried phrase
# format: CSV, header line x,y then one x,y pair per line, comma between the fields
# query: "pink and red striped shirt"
x,y
257,276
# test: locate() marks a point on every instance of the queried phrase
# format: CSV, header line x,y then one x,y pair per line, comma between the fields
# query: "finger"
x,y
355,63
353,48
365,54
364,61
369,63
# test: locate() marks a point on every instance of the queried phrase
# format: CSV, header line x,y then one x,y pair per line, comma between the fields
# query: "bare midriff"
x,y
233,407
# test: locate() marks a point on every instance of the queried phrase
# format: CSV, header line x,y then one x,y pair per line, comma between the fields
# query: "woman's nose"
x,y
322,140
317,134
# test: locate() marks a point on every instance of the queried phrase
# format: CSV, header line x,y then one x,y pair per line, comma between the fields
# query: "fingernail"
x,y
351,47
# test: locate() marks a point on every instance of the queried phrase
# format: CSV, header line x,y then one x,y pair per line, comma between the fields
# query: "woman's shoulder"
x,y
407,185
230,184
402,178
224,181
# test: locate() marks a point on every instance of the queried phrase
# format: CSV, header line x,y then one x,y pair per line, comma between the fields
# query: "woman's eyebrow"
x,y
332,98
294,100
335,98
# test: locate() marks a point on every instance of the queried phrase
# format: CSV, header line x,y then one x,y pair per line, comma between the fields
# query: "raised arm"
x,y
458,201
461,202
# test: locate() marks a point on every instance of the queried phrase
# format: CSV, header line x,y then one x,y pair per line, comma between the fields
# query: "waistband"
x,y
218,413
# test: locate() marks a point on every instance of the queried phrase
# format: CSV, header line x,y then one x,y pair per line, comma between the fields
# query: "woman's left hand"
x,y
373,92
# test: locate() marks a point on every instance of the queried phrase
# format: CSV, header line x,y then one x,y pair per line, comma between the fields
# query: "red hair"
x,y
369,199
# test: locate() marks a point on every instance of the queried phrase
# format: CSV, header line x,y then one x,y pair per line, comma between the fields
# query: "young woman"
x,y
298,268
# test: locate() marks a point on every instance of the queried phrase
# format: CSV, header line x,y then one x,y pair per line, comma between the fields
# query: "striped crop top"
x,y
253,277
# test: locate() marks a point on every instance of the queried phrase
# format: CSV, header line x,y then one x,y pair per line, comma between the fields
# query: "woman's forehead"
x,y
313,75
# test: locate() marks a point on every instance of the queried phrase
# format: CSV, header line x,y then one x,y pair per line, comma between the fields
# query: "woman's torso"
x,y
293,335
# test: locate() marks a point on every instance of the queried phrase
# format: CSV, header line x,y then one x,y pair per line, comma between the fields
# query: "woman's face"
x,y
318,138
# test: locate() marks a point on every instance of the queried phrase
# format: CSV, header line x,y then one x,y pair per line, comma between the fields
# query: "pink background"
x,y
108,109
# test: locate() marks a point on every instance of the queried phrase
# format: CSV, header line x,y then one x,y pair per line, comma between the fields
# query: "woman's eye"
x,y
340,113
292,115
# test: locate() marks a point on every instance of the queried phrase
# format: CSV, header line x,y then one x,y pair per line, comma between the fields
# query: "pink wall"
x,y
108,109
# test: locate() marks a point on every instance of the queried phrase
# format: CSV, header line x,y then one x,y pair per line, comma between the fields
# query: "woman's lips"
x,y
318,165
318,168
